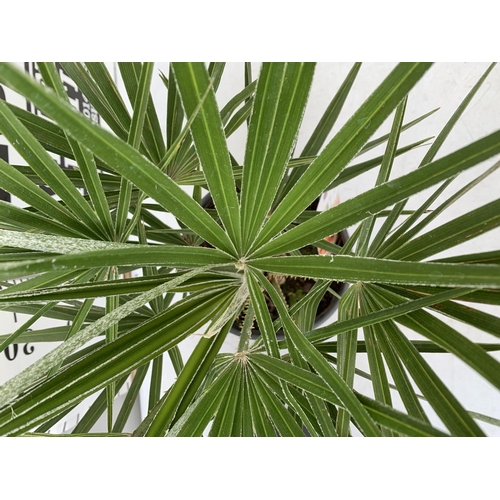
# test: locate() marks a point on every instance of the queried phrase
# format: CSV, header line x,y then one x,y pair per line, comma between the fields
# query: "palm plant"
x,y
77,249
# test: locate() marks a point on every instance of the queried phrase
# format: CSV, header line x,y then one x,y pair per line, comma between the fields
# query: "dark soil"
x,y
297,287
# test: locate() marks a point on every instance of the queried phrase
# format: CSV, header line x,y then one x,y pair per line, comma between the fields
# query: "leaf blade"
x,y
368,269
374,200
343,147
122,157
208,135
280,99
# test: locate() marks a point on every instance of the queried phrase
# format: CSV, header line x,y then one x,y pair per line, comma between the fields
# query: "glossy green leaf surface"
x,y
280,100
138,169
248,317
370,270
369,203
98,369
343,147
192,80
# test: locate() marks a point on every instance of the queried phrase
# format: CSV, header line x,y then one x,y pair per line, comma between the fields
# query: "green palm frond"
x,y
126,264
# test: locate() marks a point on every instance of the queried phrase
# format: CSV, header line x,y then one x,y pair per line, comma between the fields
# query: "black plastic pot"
x,y
327,312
